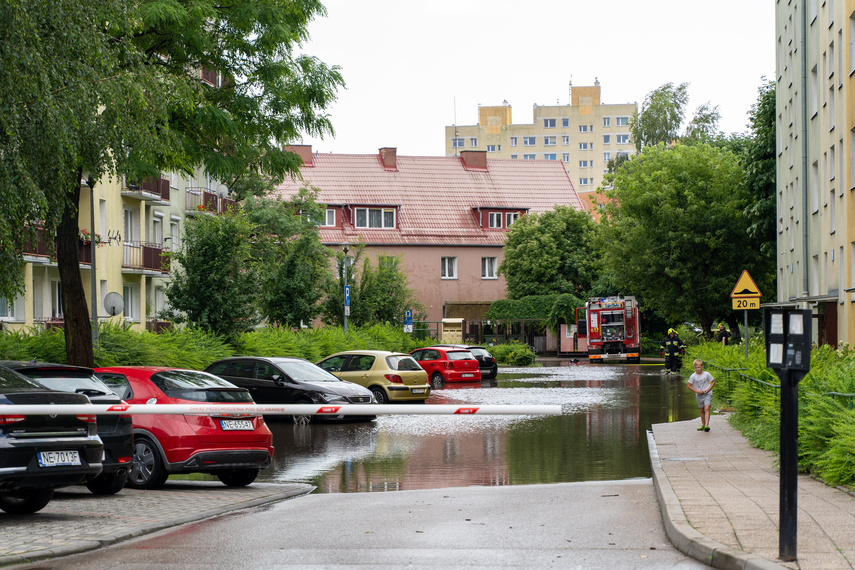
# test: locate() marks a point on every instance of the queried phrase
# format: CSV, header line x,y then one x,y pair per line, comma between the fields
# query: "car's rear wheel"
x,y
108,484
147,469
379,395
437,381
25,502
303,420
238,477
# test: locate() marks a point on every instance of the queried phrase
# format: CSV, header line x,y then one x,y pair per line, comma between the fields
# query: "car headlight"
x,y
333,398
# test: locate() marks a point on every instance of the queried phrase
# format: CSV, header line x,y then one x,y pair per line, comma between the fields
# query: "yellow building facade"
x,y
815,129
584,135
135,226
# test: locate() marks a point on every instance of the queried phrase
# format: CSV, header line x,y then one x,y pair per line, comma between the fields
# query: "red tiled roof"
x,y
437,198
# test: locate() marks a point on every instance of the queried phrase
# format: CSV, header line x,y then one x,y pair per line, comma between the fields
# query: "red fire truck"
x,y
611,328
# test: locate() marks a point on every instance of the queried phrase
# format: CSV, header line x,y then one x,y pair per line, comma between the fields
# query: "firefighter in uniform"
x,y
672,347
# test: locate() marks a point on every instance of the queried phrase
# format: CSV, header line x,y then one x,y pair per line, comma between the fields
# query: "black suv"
x,y
41,452
116,431
486,361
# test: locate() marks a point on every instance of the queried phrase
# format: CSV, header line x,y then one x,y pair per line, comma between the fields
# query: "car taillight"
x,y
86,418
449,365
493,360
125,459
10,419
394,378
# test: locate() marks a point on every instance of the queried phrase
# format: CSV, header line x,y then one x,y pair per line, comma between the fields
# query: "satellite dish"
x,y
114,304
222,190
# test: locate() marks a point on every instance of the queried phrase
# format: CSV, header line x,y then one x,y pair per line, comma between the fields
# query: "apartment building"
x,y
583,136
446,216
816,154
135,225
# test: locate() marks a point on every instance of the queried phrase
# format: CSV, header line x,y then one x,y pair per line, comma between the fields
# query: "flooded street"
x,y
603,437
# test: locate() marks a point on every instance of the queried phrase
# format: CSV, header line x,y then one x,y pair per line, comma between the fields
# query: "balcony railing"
x,y
146,256
38,247
201,199
156,189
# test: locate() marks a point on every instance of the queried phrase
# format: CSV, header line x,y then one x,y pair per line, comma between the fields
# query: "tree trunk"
x,y
78,326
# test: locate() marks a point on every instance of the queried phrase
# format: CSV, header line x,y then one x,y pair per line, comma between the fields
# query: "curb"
x,y
685,538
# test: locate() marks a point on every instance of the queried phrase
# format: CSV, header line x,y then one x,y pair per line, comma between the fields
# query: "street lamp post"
x,y
91,183
346,304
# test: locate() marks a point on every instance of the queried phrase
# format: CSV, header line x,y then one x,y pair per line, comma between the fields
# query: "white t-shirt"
x,y
701,381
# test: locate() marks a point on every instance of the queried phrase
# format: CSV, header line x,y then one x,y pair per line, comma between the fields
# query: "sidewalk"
x,y
76,520
720,500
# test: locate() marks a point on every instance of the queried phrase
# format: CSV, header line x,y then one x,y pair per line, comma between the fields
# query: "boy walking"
x,y
701,383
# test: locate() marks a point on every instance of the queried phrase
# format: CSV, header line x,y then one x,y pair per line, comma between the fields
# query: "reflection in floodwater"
x,y
603,437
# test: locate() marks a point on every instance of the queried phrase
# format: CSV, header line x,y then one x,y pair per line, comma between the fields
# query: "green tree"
x,y
675,235
662,115
90,88
760,174
549,253
294,265
378,294
216,286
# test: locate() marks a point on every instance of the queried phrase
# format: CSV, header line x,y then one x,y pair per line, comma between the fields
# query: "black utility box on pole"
x,y
788,347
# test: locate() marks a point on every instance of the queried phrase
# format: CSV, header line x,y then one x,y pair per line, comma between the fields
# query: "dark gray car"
x,y
288,380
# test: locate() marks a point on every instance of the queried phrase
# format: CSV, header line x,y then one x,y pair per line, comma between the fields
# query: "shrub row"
x,y
826,421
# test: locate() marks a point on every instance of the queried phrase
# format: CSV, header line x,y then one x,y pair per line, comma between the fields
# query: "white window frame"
x,y
473,142
622,121
549,141
565,140
513,141
529,156
583,164
565,122
583,128
607,139
494,220
622,139
458,142
584,182
366,224
607,121
130,294
565,157
529,141
583,146
510,218
550,156
548,123
329,218
448,267
488,267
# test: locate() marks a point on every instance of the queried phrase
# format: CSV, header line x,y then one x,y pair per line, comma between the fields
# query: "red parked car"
x,y
232,447
447,364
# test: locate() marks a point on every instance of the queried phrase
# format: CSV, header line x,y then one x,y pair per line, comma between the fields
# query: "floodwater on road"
x,y
600,437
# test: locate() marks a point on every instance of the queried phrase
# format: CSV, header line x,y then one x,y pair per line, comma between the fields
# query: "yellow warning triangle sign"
x,y
745,287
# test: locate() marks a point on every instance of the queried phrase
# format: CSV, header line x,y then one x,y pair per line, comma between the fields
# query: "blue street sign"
x,y
408,317
347,295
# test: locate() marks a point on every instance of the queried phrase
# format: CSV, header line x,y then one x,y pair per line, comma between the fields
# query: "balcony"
x,y
201,200
150,190
37,250
146,257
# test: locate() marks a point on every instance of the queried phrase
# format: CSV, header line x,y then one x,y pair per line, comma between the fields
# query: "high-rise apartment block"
x,y
583,135
815,129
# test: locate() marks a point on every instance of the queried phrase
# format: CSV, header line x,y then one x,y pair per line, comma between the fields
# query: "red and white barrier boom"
x,y
287,409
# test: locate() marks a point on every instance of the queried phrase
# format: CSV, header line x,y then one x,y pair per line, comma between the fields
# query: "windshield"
x,y
9,379
306,372
460,355
67,380
402,363
198,387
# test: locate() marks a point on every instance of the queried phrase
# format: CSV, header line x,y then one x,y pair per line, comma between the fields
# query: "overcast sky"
x,y
414,66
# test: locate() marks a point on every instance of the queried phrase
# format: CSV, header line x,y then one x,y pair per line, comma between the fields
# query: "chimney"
x,y
304,151
474,159
389,158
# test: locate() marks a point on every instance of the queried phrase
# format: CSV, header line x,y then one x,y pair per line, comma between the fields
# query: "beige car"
x,y
392,377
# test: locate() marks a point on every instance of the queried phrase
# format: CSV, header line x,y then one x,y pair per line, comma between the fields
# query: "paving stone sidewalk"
x,y
76,520
720,502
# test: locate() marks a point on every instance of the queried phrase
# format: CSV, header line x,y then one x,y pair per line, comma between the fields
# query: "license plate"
x,y
229,425
468,375
418,390
58,458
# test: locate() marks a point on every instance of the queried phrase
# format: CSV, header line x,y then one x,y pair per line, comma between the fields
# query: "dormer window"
x,y
495,220
375,218
329,218
511,217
